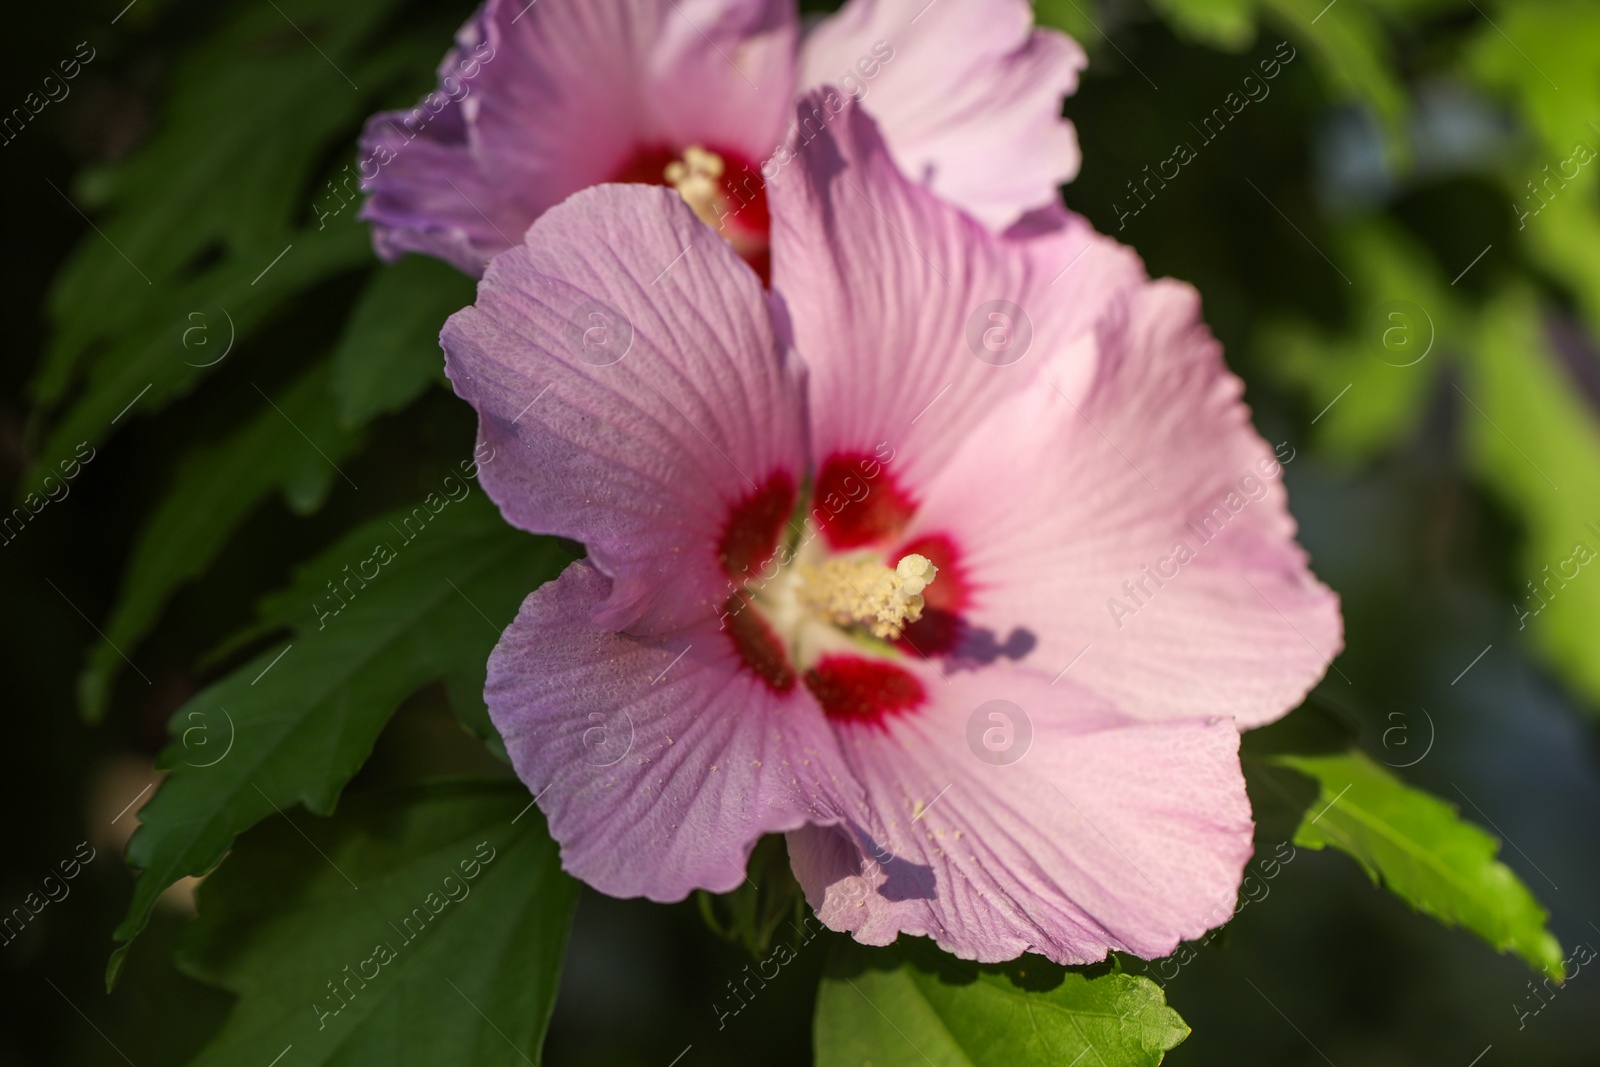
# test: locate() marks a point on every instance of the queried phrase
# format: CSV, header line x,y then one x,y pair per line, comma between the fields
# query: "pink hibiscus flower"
x,y
847,547
541,100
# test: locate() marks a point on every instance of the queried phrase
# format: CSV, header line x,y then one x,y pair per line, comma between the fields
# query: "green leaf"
x,y
911,1006
291,447
464,690
390,350
191,228
1069,16
1350,50
1533,439
388,355
400,603
146,365
248,116
1353,56
1418,846
448,952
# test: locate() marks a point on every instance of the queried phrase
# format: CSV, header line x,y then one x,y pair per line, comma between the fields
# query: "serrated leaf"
x,y
911,1006
1422,851
291,447
146,365
195,222
390,351
459,886
303,717
247,117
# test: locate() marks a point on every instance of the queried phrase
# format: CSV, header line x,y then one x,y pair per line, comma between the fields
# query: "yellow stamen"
x,y
698,179
861,591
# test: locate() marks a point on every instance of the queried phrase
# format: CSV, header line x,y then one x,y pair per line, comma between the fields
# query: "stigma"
x,y
862,592
698,179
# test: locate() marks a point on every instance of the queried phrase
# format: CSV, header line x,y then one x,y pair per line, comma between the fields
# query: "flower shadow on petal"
x,y
907,881
980,646
849,847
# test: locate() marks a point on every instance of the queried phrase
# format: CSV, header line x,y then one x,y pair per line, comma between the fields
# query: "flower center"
x,y
816,603
724,189
829,601
698,179
862,592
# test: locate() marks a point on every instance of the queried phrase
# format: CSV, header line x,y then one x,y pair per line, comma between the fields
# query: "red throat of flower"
x,y
820,609
724,188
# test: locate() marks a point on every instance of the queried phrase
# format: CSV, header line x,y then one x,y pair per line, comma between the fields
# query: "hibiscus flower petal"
x,y
567,94
968,95
586,82
658,764
630,389
1082,833
892,296
1059,471
428,193
1149,448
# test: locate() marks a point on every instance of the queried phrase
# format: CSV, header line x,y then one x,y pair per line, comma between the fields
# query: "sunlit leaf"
x,y
912,1006
1226,24
1541,58
1421,850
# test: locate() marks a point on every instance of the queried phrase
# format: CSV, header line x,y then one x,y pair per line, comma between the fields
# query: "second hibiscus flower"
x,y
698,95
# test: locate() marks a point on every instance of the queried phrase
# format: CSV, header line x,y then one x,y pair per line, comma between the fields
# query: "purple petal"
x,y
1141,445
968,95
659,764
627,380
889,291
564,95
1099,835
428,191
